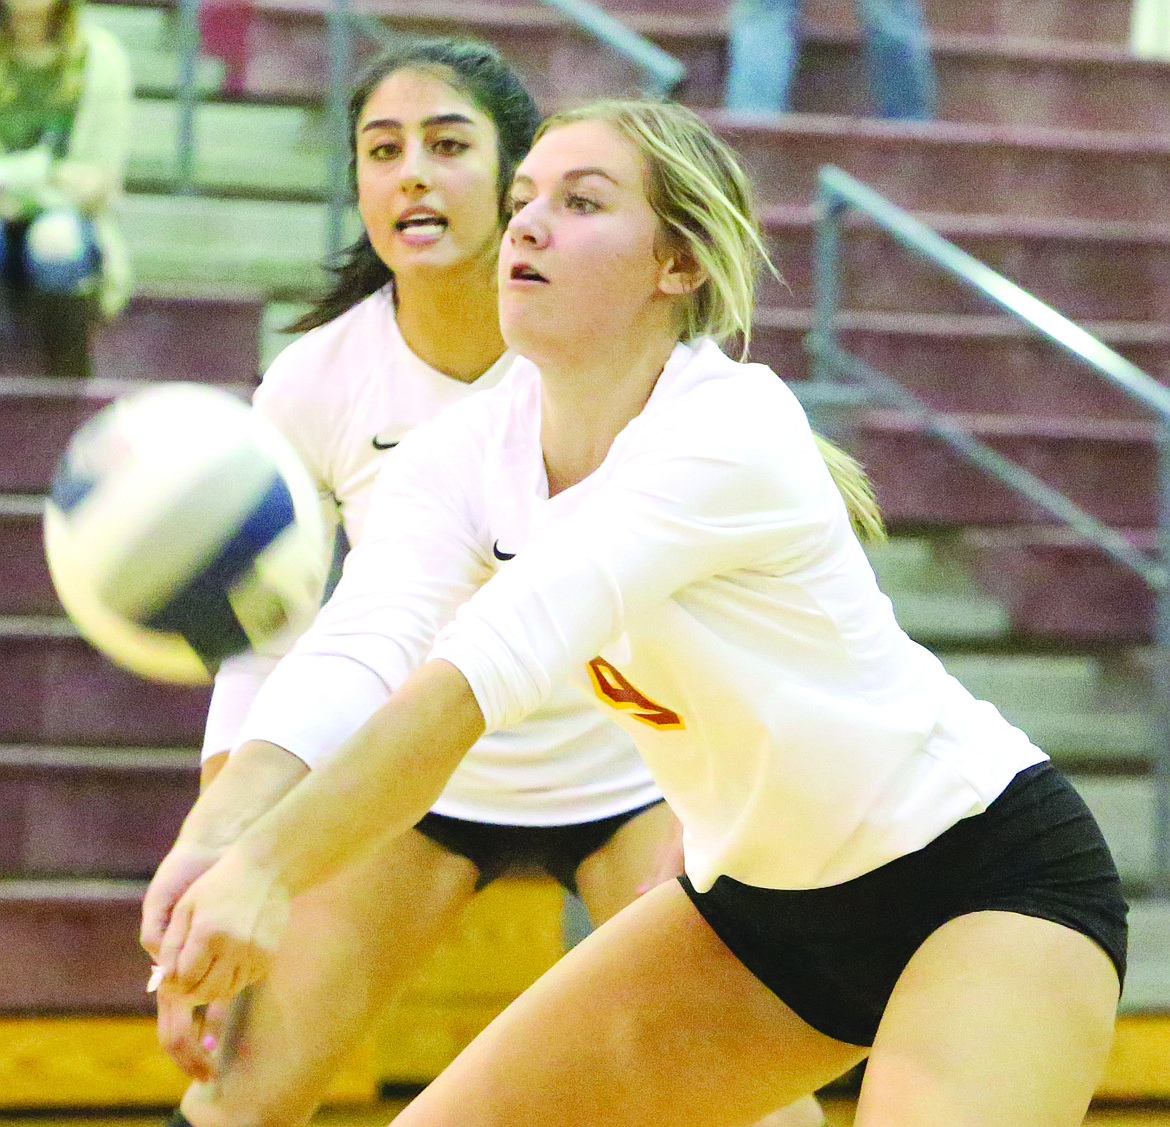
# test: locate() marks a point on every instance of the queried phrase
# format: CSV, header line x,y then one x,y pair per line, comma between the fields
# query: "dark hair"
x,y
477,71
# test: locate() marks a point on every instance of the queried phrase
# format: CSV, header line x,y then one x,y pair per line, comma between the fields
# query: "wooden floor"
x,y
839,1112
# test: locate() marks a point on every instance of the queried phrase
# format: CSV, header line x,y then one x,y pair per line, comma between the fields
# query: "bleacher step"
x,y
932,166
959,167
994,72
272,246
1108,272
92,811
55,689
265,149
1147,985
921,481
928,590
1053,585
1105,21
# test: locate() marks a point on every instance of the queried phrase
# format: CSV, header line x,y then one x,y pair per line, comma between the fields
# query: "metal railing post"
x,y
185,133
340,72
1161,765
826,285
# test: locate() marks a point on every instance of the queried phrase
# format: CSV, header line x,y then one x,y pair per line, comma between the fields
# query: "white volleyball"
x,y
182,529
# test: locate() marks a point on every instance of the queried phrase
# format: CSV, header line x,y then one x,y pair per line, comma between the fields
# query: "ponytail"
x,y
857,491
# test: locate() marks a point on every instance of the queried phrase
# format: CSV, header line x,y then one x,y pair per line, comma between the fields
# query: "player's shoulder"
x,y
333,360
704,387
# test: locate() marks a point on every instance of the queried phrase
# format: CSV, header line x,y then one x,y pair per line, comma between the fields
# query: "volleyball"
x,y
182,529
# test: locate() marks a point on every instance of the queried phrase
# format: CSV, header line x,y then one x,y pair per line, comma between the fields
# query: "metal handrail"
x,y
838,193
185,135
664,71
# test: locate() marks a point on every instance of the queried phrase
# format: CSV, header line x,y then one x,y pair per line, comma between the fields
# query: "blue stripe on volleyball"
x,y
69,489
201,611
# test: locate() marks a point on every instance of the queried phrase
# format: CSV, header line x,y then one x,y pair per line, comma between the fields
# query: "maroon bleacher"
x,y
1051,162
67,808
76,944
1037,63
1091,270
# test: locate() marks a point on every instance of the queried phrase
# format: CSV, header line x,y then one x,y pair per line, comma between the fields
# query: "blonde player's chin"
x,y
521,333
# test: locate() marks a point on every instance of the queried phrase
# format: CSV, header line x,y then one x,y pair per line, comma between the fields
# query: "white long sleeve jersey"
x,y
345,394
704,587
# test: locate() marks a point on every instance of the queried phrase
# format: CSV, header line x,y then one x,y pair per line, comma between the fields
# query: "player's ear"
x,y
679,273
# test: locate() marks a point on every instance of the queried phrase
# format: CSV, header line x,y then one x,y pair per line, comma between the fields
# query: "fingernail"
x,y
209,1043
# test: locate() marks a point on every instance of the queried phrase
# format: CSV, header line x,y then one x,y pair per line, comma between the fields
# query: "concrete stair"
x,y
168,331
1004,68
24,576
92,812
1112,272
75,942
966,168
975,363
272,246
948,167
58,691
1056,589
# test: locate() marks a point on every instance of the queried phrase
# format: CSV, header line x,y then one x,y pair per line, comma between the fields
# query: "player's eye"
x,y
383,150
451,146
583,205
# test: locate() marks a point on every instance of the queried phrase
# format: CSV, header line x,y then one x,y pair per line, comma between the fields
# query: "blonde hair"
x,y
704,200
856,490
65,34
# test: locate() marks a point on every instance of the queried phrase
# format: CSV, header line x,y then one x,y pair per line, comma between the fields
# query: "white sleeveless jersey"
x,y
345,394
704,586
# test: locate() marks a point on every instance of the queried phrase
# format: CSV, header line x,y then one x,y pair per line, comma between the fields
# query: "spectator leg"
x,y
897,58
61,267
762,54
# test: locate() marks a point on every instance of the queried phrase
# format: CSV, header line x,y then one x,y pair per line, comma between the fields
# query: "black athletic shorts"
x,y
496,850
834,954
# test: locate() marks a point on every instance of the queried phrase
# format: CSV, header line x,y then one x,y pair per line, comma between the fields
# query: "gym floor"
x,y
839,1112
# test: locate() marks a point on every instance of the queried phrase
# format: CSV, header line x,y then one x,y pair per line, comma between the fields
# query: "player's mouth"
x,y
419,226
524,272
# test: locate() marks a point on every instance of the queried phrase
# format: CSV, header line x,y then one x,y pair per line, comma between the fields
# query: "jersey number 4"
x,y
610,684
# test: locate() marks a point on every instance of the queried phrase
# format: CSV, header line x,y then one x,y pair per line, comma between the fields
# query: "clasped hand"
x,y
212,922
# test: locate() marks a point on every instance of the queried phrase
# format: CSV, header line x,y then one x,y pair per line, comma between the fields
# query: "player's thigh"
x,y
352,945
999,1019
609,878
649,1021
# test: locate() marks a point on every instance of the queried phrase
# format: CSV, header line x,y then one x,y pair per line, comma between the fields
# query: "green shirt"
x,y
31,116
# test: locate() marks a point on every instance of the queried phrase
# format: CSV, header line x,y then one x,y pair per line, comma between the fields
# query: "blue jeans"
x,y
764,47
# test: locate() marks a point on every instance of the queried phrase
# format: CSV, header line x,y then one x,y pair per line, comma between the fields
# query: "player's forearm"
x,y
249,784
380,783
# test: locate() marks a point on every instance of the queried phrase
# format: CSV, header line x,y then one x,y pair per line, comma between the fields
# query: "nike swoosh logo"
x,y
383,445
501,555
